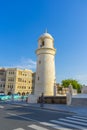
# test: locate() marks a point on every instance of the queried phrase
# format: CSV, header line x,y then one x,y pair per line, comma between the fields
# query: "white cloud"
x,y
27,63
24,63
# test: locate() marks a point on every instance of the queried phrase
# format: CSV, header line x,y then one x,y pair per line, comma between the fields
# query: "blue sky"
x,y
23,21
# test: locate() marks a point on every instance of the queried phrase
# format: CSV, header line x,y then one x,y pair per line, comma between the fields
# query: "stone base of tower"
x,y
39,93
32,99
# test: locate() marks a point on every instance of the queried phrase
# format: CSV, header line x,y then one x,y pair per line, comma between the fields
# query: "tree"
x,y
75,84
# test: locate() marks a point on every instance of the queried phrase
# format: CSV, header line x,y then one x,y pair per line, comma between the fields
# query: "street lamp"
x,y
55,88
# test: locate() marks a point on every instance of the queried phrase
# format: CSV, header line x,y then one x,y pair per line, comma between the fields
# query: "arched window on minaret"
x,y
42,44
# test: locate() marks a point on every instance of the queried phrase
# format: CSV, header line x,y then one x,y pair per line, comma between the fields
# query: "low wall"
x,y
54,99
79,100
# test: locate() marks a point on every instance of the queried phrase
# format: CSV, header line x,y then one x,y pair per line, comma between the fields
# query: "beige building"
x,y
62,91
84,89
2,79
18,81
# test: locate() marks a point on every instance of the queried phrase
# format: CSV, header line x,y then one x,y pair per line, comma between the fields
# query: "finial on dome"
x,y
46,35
46,30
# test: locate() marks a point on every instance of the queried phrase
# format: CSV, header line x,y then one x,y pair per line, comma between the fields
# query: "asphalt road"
x,y
17,117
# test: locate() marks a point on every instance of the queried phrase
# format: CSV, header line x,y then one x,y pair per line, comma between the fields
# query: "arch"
x,y
9,93
27,93
23,93
19,93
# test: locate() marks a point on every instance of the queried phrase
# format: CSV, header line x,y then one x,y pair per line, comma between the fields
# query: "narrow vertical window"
x,y
39,62
42,43
38,77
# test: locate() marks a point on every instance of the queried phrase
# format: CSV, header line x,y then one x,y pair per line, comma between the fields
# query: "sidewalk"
x,y
81,110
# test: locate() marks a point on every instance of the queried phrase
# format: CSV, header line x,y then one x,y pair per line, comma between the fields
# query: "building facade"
x,y
18,81
45,71
2,79
84,89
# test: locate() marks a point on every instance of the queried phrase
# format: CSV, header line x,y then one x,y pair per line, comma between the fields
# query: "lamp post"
x,y
55,88
12,96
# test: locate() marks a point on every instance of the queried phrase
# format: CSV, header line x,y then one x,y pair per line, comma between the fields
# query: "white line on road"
x,y
72,121
55,126
47,124
81,117
12,114
19,129
67,124
37,127
77,119
1,106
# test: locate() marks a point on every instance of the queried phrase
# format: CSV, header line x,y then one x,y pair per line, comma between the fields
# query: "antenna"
x,y
46,30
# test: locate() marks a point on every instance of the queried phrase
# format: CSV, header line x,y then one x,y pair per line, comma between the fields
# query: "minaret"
x,y
45,71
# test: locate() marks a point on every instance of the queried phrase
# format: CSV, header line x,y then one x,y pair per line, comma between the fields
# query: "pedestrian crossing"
x,y
37,127
67,123
1,106
19,129
74,122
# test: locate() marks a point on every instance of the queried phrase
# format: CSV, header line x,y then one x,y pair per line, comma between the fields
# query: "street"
x,y
17,117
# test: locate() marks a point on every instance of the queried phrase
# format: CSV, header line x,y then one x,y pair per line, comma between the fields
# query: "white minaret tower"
x,y
45,71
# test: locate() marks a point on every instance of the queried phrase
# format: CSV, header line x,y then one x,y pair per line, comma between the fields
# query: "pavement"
x,y
81,110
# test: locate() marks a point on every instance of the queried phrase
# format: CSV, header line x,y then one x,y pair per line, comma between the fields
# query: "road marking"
x,y
12,114
1,106
47,124
81,117
67,124
17,106
55,126
19,129
37,127
80,123
73,118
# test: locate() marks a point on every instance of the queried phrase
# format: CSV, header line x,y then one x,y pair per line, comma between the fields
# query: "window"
x,y
42,44
19,79
3,85
0,85
38,78
39,62
11,86
20,72
10,79
2,79
1,73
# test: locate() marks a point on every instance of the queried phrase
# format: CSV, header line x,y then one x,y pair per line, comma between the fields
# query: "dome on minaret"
x,y
46,35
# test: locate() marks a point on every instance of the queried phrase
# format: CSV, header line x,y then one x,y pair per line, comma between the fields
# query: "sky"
x,y
22,22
